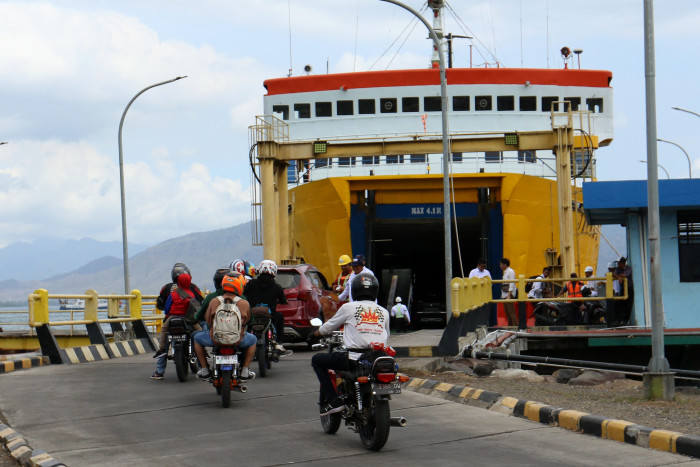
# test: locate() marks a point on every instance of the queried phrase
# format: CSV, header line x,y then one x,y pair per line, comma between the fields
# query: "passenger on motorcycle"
x,y
232,286
218,291
264,290
177,304
165,293
365,323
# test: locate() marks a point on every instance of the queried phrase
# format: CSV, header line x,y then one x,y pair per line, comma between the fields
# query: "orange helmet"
x,y
233,283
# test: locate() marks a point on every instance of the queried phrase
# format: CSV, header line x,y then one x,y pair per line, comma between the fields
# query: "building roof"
x,y
609,202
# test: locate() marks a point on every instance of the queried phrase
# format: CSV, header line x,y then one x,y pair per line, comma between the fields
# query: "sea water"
x,y
16,318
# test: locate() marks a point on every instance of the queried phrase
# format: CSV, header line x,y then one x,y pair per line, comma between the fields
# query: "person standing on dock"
x,y
622,272
358,267
591,286
480,269
401,316
509,292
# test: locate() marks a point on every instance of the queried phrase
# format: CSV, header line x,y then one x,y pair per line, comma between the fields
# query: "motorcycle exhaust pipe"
x,y
398,421
240,388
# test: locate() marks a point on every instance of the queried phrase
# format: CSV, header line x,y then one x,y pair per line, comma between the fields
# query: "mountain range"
x,y
149,270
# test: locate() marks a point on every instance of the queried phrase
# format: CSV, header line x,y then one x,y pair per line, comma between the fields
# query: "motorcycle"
x,y
226,373
366,391
261,327
565,313
181,347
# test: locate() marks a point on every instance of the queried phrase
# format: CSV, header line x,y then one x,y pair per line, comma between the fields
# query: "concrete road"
x,y
111,413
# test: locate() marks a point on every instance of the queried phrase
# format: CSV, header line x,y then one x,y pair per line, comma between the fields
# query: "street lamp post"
x,y
445,158
662,168
685,110
125,247
690,167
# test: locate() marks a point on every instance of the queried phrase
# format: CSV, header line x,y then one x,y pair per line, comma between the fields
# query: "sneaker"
x,y
282,351
204,373
333,406
157,375
160,354
247,375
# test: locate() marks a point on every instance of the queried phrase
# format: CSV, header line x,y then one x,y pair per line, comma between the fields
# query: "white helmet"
x,y
398,299
612,264
588,269
267,267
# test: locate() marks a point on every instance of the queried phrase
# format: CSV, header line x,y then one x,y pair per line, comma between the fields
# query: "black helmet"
x,y
178,269
364,287
219,275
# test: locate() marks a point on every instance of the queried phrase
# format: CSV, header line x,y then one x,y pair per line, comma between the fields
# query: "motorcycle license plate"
x,y
386,388
226,359
181,337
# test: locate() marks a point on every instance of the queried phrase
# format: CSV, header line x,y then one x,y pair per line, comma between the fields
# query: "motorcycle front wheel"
x,y
226,388
181,363
375,433
261,355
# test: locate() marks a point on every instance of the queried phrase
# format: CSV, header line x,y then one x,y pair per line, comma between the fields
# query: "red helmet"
x,y
233,283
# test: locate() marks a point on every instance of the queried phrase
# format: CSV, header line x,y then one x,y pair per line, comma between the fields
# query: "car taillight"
x,y
292,295
227,350
386,377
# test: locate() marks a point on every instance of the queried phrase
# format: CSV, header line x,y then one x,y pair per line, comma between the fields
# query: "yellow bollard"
x,y
91,306
456,284
40,308
135,304
609,285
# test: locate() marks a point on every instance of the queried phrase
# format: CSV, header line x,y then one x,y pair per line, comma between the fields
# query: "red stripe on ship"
x,y
394,78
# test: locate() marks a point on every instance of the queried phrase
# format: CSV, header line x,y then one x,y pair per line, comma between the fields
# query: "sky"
x,y
68,69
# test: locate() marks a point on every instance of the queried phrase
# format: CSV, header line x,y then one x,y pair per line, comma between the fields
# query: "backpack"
x,y
226,326
192,306
528,286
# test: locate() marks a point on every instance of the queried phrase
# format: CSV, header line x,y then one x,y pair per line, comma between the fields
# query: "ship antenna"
x,y
357,26
289,16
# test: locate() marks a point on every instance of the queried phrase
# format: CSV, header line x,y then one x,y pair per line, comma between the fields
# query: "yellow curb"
x,y
509,402
14,442
532,410
476,394
444,387
102,351
663,440
569,419
420,351
6,432
416,382
19,452
614,429
38,460
72,356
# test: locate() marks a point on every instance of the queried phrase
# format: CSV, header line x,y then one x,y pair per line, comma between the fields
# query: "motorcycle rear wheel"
x,y
226,388
181,364
375,434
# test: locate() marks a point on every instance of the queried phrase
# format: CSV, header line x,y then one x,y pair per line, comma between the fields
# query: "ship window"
x,y
460,103
302,110
528,103
322,162
432,103
344,108
550,103
345,161
292,172
388,105
418,158
505,102
394,159
370,160
324,109
366,106
482,103
456,157
527,156
595,104
689,245
493,156
281,109
575,102
409,104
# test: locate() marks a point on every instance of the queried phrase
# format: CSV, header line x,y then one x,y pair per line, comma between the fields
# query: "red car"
x,y
307,291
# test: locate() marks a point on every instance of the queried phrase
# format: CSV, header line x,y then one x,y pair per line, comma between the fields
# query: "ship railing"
x,y
474,295
141,316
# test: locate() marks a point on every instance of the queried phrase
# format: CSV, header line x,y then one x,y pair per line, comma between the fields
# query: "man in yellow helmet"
x,y
341,279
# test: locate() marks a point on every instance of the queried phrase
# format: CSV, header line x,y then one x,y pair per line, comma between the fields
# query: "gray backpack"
x,y
227,326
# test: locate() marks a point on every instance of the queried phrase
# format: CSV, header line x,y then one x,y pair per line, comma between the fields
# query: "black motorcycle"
x,y
261,327
366,390
569,313
181,347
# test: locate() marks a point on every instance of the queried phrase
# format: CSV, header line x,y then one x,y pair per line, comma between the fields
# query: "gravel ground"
x,y
622,399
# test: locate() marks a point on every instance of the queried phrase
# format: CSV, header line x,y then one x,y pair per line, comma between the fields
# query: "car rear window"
x,y
288,279
317,279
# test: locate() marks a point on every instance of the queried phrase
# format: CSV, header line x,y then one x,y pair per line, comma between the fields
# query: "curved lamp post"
x,y
690,169
684,110
445,158
662,168
121,183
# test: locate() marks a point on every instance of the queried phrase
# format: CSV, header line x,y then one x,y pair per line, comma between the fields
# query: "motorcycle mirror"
x,y
316,322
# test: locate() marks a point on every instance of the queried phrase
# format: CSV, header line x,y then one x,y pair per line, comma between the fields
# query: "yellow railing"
x,y
468,294
139,306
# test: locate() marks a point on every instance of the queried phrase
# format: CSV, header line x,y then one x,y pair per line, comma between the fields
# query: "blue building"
x,y
625,203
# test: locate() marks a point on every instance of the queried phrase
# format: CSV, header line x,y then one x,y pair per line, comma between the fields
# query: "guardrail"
x,y
40,319
471,294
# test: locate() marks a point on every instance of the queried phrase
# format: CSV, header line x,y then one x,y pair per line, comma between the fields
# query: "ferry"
x,y
388,206
79,304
